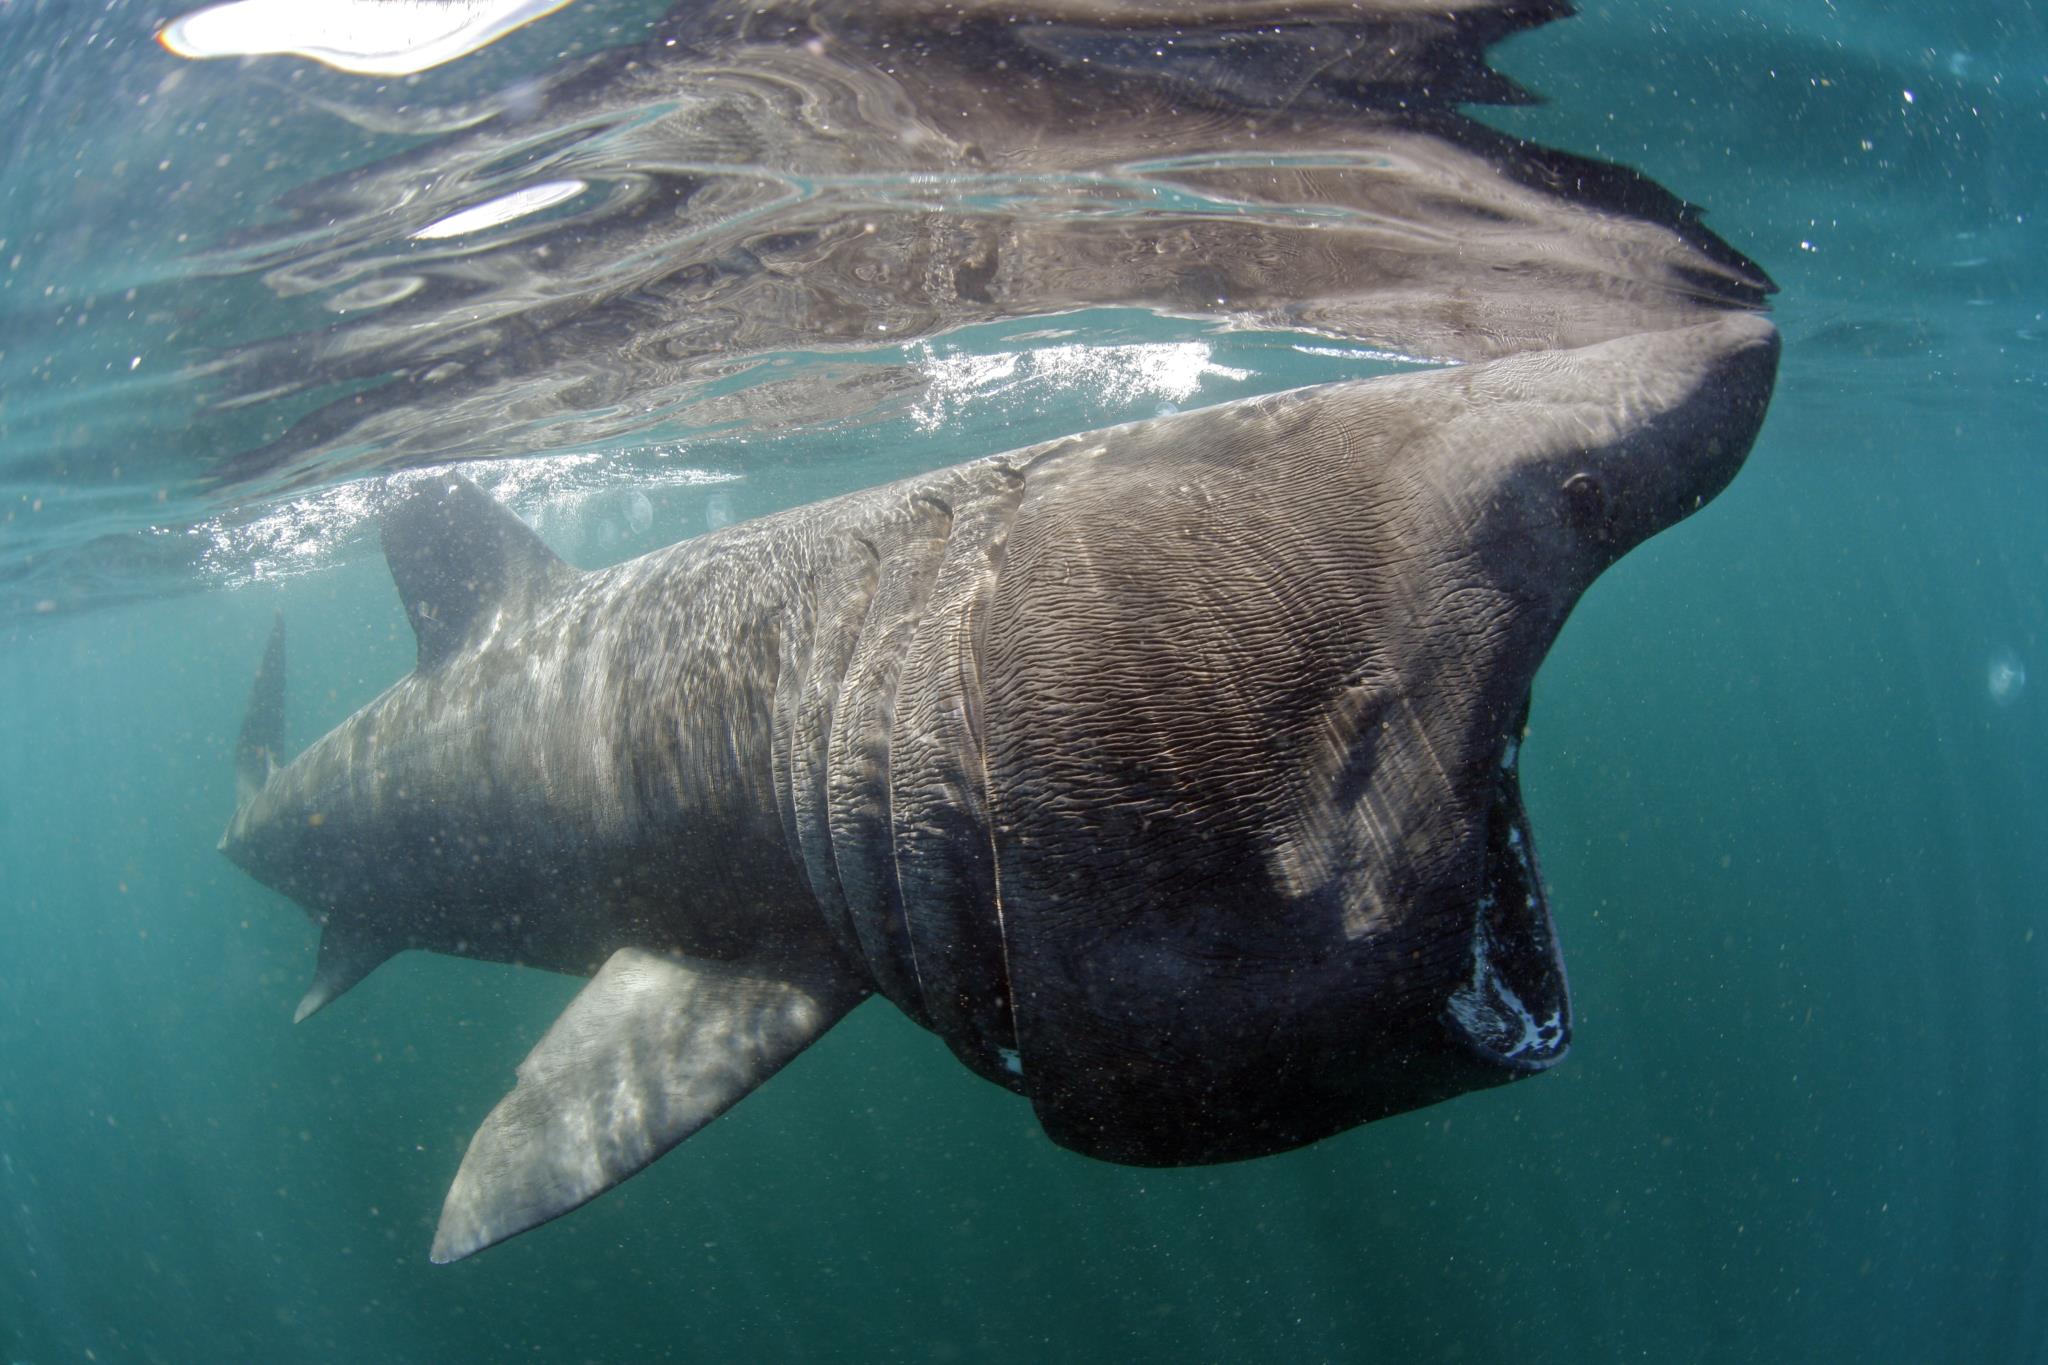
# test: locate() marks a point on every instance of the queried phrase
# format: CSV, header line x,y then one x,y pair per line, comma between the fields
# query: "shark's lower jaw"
x,y
1514,1009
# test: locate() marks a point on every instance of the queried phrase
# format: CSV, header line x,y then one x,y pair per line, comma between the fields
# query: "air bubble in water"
x,y
2005,677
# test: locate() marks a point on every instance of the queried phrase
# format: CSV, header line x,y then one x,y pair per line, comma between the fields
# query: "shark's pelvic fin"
x,y
654,1048
345,959
256,752
459,559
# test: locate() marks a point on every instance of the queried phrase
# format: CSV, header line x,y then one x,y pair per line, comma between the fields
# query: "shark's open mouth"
x,y
1514,1009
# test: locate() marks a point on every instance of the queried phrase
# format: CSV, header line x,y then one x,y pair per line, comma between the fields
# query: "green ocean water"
x,y
1787,776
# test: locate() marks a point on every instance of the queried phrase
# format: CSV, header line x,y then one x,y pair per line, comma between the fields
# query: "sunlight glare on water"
x,y
366,37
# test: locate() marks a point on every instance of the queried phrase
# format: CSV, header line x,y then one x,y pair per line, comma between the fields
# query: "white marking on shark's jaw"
x,y
1487,1007
1488,1010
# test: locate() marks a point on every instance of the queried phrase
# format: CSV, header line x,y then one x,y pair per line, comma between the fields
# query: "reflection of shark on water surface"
x,y
646,233
1167,772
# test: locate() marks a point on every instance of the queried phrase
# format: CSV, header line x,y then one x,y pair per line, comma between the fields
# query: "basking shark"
x,y
1167,772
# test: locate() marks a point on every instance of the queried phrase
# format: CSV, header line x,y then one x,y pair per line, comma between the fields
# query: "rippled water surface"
x,y
645,273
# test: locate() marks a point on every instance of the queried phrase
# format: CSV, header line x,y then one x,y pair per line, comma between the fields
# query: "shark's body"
x,y
1166,772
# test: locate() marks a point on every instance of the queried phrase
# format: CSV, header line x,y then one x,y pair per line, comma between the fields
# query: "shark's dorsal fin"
x,y
459,558
256,752
346,957
654,1048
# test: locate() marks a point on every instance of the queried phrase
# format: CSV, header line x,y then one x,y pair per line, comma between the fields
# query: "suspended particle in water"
x,y
2005,677
717,511
639,513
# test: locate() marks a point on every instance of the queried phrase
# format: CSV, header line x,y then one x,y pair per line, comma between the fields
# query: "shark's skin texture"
x,y
1167,772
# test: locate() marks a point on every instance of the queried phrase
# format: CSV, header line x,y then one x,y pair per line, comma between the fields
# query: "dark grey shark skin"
x,y
1167,772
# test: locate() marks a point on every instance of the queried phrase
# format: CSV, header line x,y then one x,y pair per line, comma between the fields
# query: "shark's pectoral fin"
x,y
345,959
654,1048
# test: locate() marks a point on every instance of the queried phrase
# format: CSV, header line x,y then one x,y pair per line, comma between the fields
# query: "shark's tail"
x,y
344,959
256,752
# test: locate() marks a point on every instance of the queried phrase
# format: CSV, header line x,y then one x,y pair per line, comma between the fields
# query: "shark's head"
x,y
1274,877
1561,464
1587,453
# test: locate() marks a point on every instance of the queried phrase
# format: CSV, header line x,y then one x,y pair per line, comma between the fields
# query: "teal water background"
x,y
1795,834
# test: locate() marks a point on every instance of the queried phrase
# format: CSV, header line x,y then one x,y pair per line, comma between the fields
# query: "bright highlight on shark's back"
x,y
1166,772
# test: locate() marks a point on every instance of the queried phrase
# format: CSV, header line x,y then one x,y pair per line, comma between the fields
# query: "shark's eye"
x,y
1585,501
